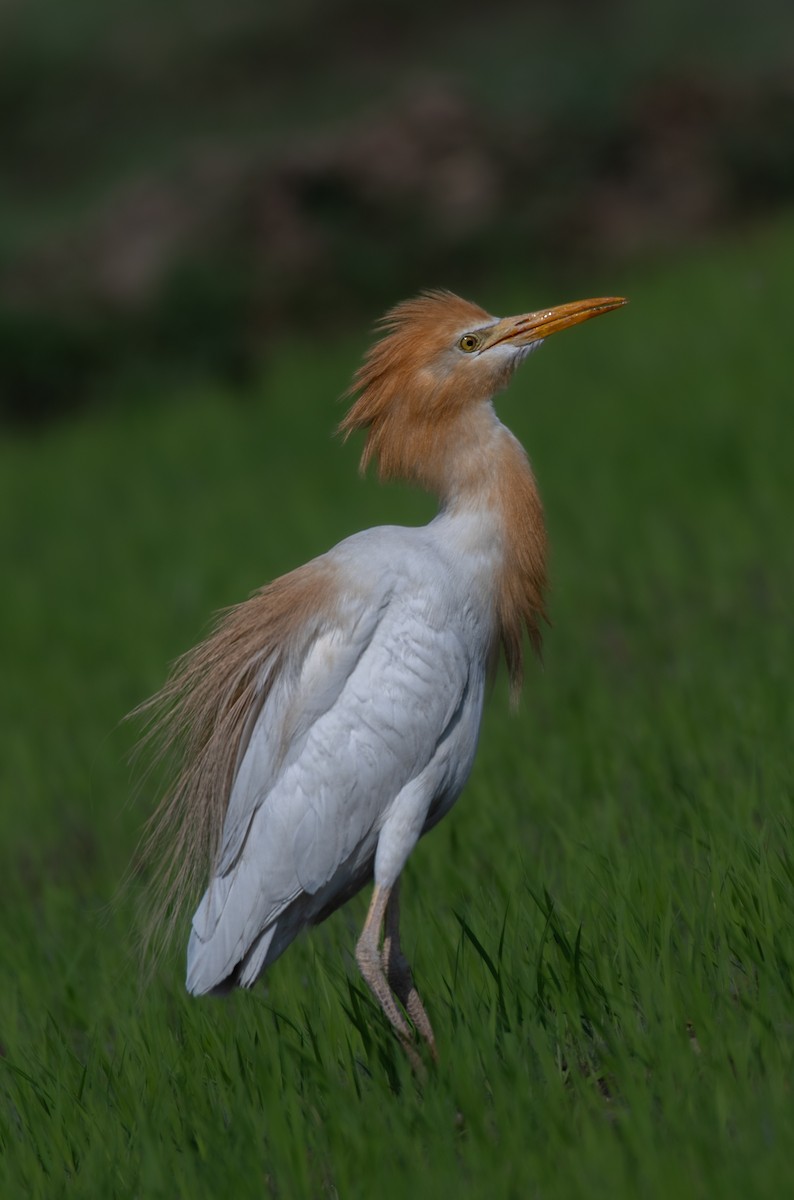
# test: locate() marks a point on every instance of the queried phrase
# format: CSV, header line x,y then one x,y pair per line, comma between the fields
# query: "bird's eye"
x,y
469,342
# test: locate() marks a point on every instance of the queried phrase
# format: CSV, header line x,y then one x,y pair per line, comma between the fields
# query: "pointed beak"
x,y
534,326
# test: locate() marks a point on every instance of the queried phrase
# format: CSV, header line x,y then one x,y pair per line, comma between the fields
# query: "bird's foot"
x,y
369,963
397,971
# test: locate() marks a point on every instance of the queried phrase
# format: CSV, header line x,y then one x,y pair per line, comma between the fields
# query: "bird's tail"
x,y
217,962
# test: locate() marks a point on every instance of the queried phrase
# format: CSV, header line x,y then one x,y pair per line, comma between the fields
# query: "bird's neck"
x,y
459,450
480,469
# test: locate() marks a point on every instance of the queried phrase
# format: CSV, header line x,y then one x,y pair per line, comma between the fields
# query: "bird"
x,y
330,720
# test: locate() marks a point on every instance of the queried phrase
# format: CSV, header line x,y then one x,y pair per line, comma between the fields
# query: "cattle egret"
x,y
332,719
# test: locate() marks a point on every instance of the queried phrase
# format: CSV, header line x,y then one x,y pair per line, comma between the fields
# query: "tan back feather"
x,y
521,593
204,716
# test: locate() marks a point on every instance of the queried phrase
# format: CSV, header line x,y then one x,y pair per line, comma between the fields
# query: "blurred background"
x,y
184,183
204,205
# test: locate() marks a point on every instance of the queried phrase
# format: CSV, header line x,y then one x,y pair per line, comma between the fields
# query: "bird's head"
x,y
440,356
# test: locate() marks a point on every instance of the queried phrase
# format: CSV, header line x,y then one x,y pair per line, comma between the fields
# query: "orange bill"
x,y
531,327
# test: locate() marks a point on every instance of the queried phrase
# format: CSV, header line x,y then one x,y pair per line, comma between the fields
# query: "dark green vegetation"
x,y
185,181
602,928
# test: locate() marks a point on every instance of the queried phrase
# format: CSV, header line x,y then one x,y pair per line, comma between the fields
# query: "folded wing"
x,y
358,726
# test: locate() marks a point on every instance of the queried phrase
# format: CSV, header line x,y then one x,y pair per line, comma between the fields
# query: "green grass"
x,y
602,929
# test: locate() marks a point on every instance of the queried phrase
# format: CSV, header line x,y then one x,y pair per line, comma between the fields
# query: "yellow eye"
x,y
468,343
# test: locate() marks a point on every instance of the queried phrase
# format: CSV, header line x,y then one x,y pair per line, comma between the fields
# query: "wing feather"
x,y
307,686
359,721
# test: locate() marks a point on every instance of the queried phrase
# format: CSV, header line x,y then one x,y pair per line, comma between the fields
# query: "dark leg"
x,y
397,970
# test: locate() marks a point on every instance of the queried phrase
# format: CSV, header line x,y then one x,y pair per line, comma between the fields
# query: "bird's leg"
x,y
370,964
398,972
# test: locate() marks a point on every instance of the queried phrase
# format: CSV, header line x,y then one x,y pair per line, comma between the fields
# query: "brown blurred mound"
x,y
202,246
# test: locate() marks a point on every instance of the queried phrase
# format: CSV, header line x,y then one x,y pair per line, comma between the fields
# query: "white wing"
x,y
352,747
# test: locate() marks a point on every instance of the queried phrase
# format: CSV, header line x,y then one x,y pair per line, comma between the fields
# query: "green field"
x,y
603,928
